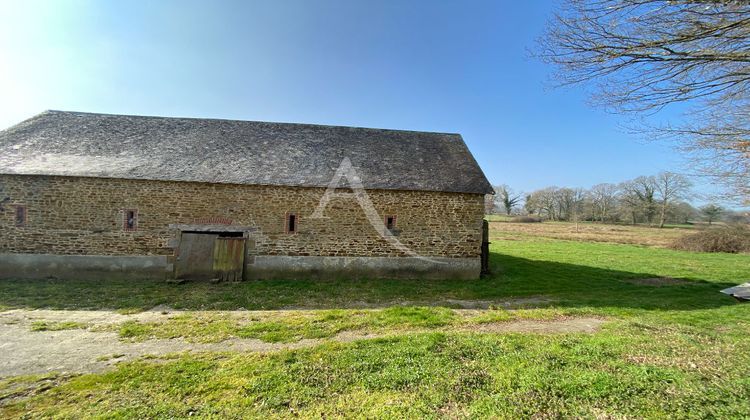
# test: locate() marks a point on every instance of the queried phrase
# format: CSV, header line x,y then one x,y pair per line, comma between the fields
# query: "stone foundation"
x,y
291,267
84,267
104,267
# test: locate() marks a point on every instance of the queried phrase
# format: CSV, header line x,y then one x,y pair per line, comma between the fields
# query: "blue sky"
x,y
450,66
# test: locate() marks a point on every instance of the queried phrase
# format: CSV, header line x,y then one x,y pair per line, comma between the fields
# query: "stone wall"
x,y
85,216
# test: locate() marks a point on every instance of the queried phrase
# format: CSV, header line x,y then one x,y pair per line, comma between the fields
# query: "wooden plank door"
x,y
195,256
229,258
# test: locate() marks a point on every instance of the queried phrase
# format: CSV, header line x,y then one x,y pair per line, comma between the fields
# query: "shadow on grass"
x,y
565,285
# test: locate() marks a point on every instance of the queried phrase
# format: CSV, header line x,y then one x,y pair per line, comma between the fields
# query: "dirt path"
x,y
25,352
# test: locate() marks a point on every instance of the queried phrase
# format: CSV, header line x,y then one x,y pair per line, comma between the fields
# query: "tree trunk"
x,y
663,215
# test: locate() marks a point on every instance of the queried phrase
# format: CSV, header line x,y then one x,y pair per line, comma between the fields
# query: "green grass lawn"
x,y
677,350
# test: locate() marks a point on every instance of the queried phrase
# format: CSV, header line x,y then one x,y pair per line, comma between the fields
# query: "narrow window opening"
x,y
291,223
131,220
390,222
20,216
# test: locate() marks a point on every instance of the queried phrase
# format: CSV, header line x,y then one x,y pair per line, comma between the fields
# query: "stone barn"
x,y
115,196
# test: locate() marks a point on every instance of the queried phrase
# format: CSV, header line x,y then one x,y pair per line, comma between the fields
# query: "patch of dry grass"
x,y
589,232
733,239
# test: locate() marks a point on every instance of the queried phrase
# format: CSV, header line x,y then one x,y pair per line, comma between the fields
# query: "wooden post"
x,y
485,247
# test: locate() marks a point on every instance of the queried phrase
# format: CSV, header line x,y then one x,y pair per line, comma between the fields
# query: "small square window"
x,y
390,222
21,216
291,223
130,220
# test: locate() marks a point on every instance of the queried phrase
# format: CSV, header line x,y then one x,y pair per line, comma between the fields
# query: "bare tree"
x,y
544,202
568,202
564,202
548,202
644,55
711,212
507,198
683,212
531,204
577,199
642,199
603,199
669,187
640,194
733,216
630,202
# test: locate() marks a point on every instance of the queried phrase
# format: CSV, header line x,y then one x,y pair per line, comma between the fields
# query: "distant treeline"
x,y
656,200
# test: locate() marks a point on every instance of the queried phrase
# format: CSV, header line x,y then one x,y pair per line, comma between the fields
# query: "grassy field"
x,y
592,232
671,346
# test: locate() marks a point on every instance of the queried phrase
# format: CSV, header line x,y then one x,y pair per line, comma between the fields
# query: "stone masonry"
x,y
85,216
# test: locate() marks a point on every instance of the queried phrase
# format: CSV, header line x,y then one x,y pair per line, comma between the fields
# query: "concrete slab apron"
x,y
75,351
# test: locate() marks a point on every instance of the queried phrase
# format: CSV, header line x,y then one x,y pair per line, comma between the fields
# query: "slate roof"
x,y
237,152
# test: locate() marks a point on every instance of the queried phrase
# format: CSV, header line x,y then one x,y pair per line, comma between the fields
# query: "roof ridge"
x,y
104,114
